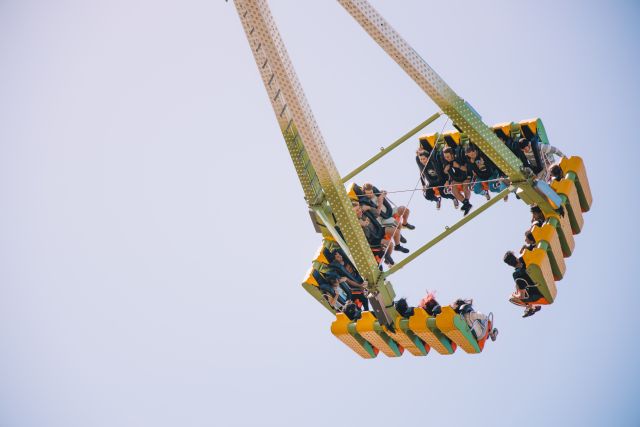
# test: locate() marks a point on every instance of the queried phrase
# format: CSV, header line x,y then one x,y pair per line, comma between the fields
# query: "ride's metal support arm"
x,y
449,230
386,150
296,118
462,114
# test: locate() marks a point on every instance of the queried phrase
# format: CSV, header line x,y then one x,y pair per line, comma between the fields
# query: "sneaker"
x,y
402,239
487,195
530,311
456,204
438,203
493,334
466,207
401,249
409,226
388,260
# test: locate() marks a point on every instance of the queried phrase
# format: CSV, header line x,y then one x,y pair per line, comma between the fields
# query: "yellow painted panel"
x,y
320,256
340,328
547,233
531,124
403,339
418,324
565,232
505,127
567,188
576,165
431,139
445,321
351,192
368,327
454,134
310,279
539,270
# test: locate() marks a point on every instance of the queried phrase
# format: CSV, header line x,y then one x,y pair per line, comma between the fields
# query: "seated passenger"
x,y
537,217
386,211
433,178
352,311
529,242
555,173
430,305
343,268
375,233
526,293
403,308
337,293
477,322
486,174
458,178
376,201
537,156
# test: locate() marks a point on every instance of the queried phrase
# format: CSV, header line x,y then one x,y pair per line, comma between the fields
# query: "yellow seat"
x,y
451,137
565,234
529,127
369,328
574,169
406,338
424,326
456,329
321,257
539,269
345,330
310,284
502,129
547,239
429,141
566,188
351,192
309,279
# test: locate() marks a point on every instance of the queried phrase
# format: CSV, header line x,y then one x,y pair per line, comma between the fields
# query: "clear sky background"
x,y
153,234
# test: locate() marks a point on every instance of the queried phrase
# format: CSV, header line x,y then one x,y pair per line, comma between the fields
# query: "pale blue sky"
x,y
153,235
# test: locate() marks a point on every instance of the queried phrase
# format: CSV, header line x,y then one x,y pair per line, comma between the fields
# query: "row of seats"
x,y
554,239
418,334
315,276
529,129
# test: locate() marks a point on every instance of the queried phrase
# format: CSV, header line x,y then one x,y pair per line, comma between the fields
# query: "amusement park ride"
x,y
330,204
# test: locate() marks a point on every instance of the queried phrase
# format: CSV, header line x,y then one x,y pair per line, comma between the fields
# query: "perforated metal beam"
x,y
462,114
298,124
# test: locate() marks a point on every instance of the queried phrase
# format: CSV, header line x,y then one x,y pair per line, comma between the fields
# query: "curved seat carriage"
x,y
382,329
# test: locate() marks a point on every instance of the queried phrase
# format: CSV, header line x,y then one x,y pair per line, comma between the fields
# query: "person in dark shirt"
x,y
555,173
343,268
392,219
430,305
403,308
526,293
537,217
375,233
486,174
529,242
433,178
458,178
